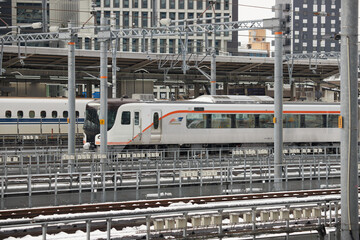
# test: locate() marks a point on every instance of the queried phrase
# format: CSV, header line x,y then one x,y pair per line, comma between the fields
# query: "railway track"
x,y
142,204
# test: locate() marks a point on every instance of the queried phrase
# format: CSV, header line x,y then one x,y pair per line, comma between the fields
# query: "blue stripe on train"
x,y
37,120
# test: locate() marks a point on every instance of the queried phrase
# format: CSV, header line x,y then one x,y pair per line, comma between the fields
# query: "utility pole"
x,y
103,94
71,97
349,119
278,101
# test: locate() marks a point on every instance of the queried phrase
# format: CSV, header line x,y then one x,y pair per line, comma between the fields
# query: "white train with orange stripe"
x,y
212,120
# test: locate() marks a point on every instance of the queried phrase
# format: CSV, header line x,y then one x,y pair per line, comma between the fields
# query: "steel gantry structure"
x,y
107,33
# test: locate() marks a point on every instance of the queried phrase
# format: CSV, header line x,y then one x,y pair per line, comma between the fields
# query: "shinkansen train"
x,y
37,118
211,120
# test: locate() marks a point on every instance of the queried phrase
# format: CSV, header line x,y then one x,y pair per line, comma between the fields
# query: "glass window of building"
x,y
191,16
172,15
144,19
171,46
135,3
190,46
126,20
181,17
172,4
179,46
163,4
135,16
144,4
199,47
199,5
163,15
125,3
162,45
87,43
116,3
106,3
181,4
154,45
117,14
98,3
190,4
125,44
218,5
135,45
226,5
107,14
28,12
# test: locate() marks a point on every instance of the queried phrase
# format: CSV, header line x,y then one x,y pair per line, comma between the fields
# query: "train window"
x,y
313,121
195,121
20,114
125,118
332,121
156,120
65,114
8,114
31,114
136,119
43,114
54,114
220,121
245,121
266,121
291,121
77,114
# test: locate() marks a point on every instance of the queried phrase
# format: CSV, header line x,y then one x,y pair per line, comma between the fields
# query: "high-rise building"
x,y
148,13
314,26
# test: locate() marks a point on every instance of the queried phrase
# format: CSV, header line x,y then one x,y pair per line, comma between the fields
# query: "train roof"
x,y
233,99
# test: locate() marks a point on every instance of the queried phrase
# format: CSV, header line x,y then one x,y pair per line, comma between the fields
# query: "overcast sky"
x,y
256,9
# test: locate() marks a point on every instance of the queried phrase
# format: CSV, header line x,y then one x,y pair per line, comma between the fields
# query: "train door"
x,y
136,126
156,127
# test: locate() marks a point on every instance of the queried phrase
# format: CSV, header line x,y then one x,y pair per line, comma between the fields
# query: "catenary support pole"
x,y
349,115
278,101
213,61
103,95
114,48
71,97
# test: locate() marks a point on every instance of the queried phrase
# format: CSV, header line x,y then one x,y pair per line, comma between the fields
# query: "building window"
x,y
144,19
144,3
125,3
125,44
135,19
106,3
135,45
171,46
162,45
199,5
28,12
163,4
190,4
116,3
218,5
126,20
172,15
87,43
172,4
135,3
181,4
226,5
154,45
